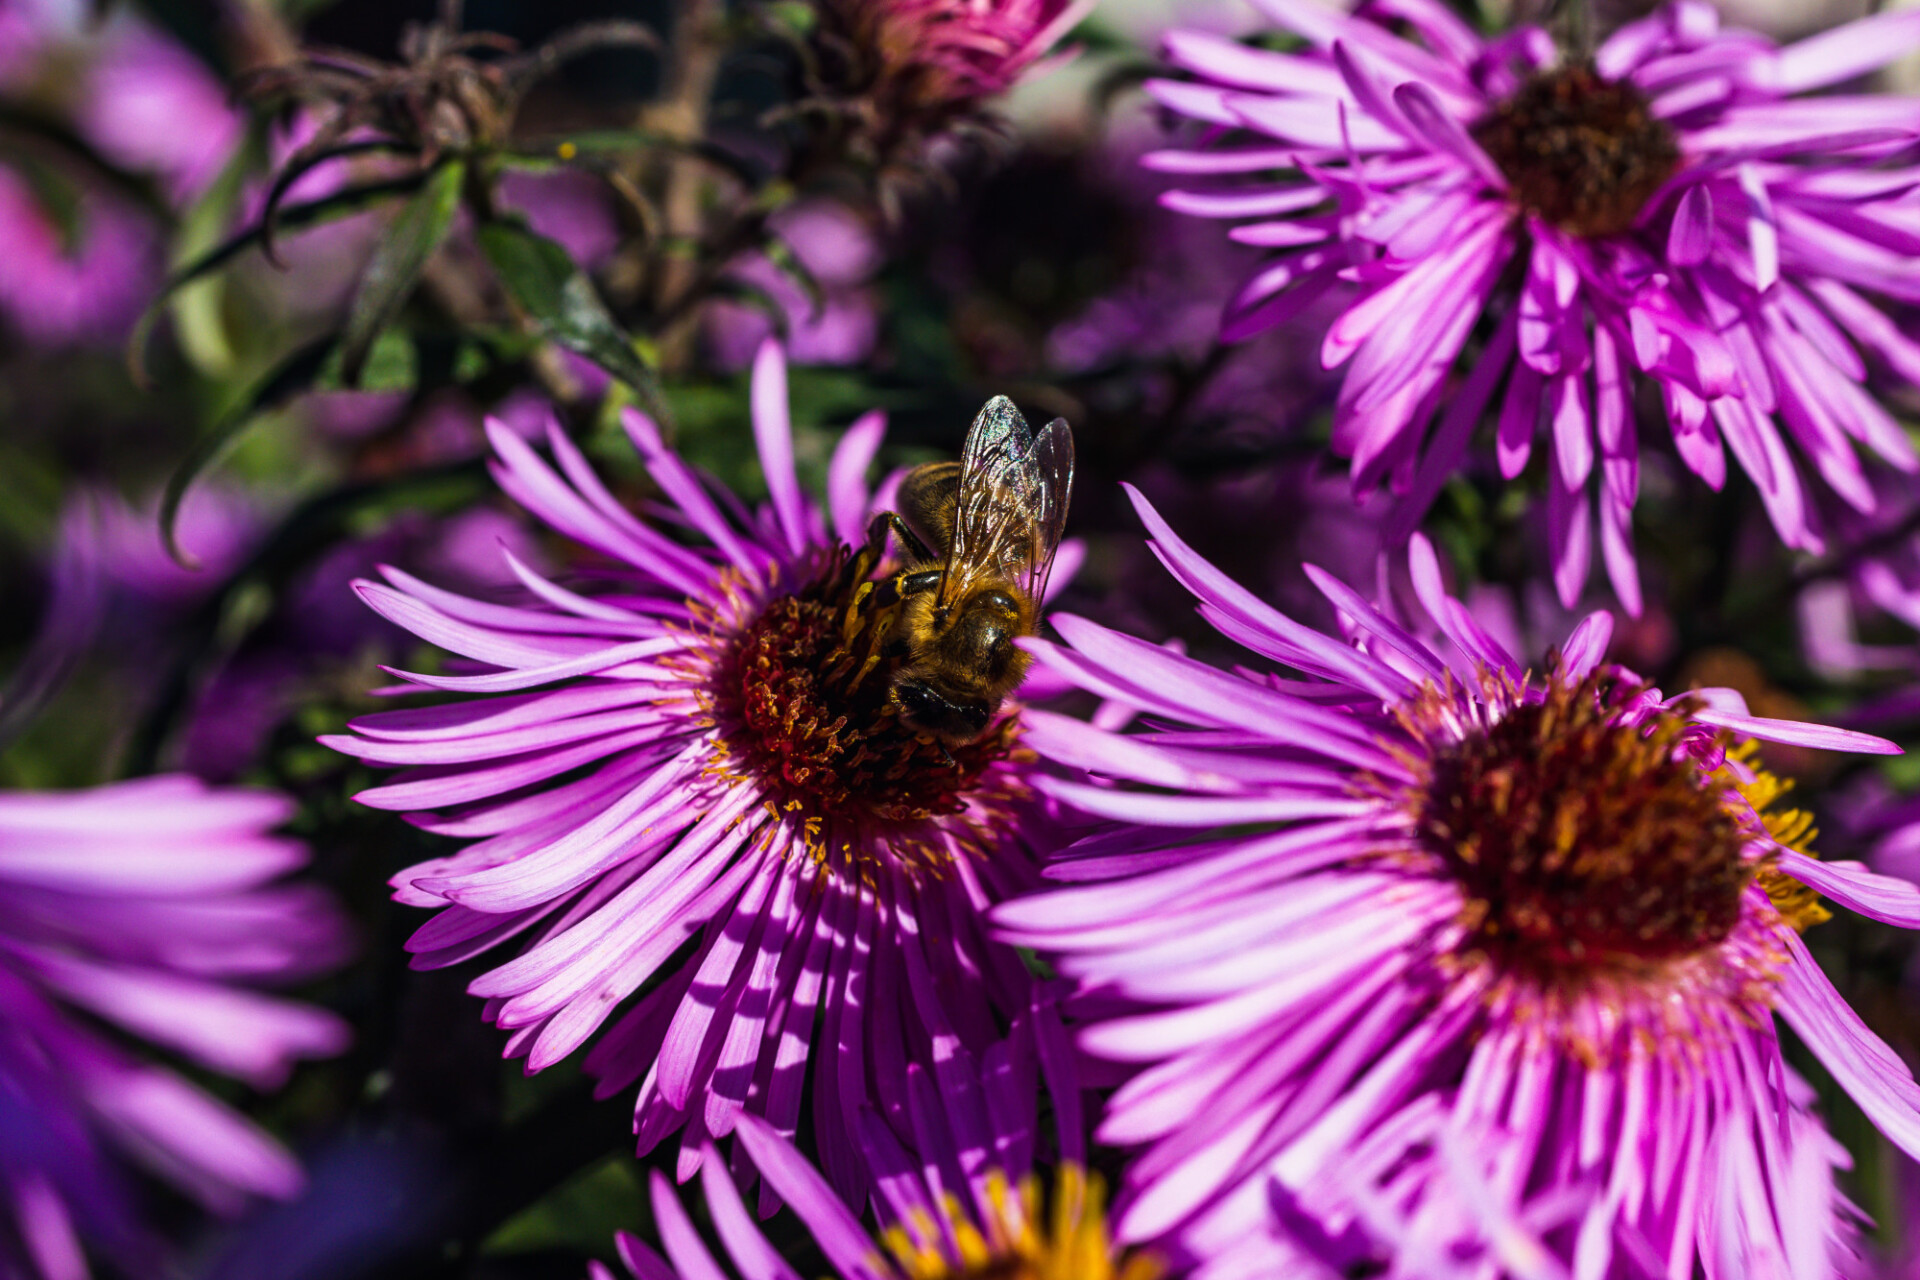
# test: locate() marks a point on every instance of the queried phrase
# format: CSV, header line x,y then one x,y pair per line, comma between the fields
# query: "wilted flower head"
x,y
440,97
147,906
962,1199
702,748
908,69
1549,227
1483,967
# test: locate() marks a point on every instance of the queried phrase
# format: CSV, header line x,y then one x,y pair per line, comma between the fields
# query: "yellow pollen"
x,y
1017,1241
1797,904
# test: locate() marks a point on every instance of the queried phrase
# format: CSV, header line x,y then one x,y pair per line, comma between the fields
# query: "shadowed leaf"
x,y
388,366
559,298
396,264
312,213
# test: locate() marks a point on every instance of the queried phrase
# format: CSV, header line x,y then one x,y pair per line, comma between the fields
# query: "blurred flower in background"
x,y
146,910
84,246
82,283
838,252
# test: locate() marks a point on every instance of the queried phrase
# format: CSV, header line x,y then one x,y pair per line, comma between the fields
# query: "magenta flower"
x,y
82,275
700,751
1674,207
841,254
949,52
152,107
57,290
147,906
1871,585
1479,961
897,75
966,1201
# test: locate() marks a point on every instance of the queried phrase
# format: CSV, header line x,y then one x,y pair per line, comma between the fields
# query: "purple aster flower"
x,y
1476,960
937,54
1869,586
689,783
898,78
222,526
964,1200
149,907
838,249
1546,227
150,106
87,288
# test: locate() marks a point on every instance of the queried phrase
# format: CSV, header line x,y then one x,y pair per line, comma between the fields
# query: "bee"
x,y
979,537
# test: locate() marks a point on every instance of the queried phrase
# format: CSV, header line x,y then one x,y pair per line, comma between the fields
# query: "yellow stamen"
x,y
1013,1244
1792,828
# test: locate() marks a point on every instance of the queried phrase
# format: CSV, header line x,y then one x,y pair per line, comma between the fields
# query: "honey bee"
x,y
979,537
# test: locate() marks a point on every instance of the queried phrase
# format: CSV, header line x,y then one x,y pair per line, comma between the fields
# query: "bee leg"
x,y
910,543
913,584
901,585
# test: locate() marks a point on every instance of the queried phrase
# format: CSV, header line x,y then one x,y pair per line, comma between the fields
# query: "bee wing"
x,y
1052,474
1012,501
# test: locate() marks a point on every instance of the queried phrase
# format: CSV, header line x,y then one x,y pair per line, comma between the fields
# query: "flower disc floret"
x,y
1583,842
1580,152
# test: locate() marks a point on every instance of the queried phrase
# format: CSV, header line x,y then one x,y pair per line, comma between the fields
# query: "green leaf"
x,y
560,299
198,324
312,213
581,1213
390,364
396,264
298,168
298,372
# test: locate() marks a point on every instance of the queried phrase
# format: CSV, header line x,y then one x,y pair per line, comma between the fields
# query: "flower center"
x,y
802,697
1584,843
1017,1241
1582,153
